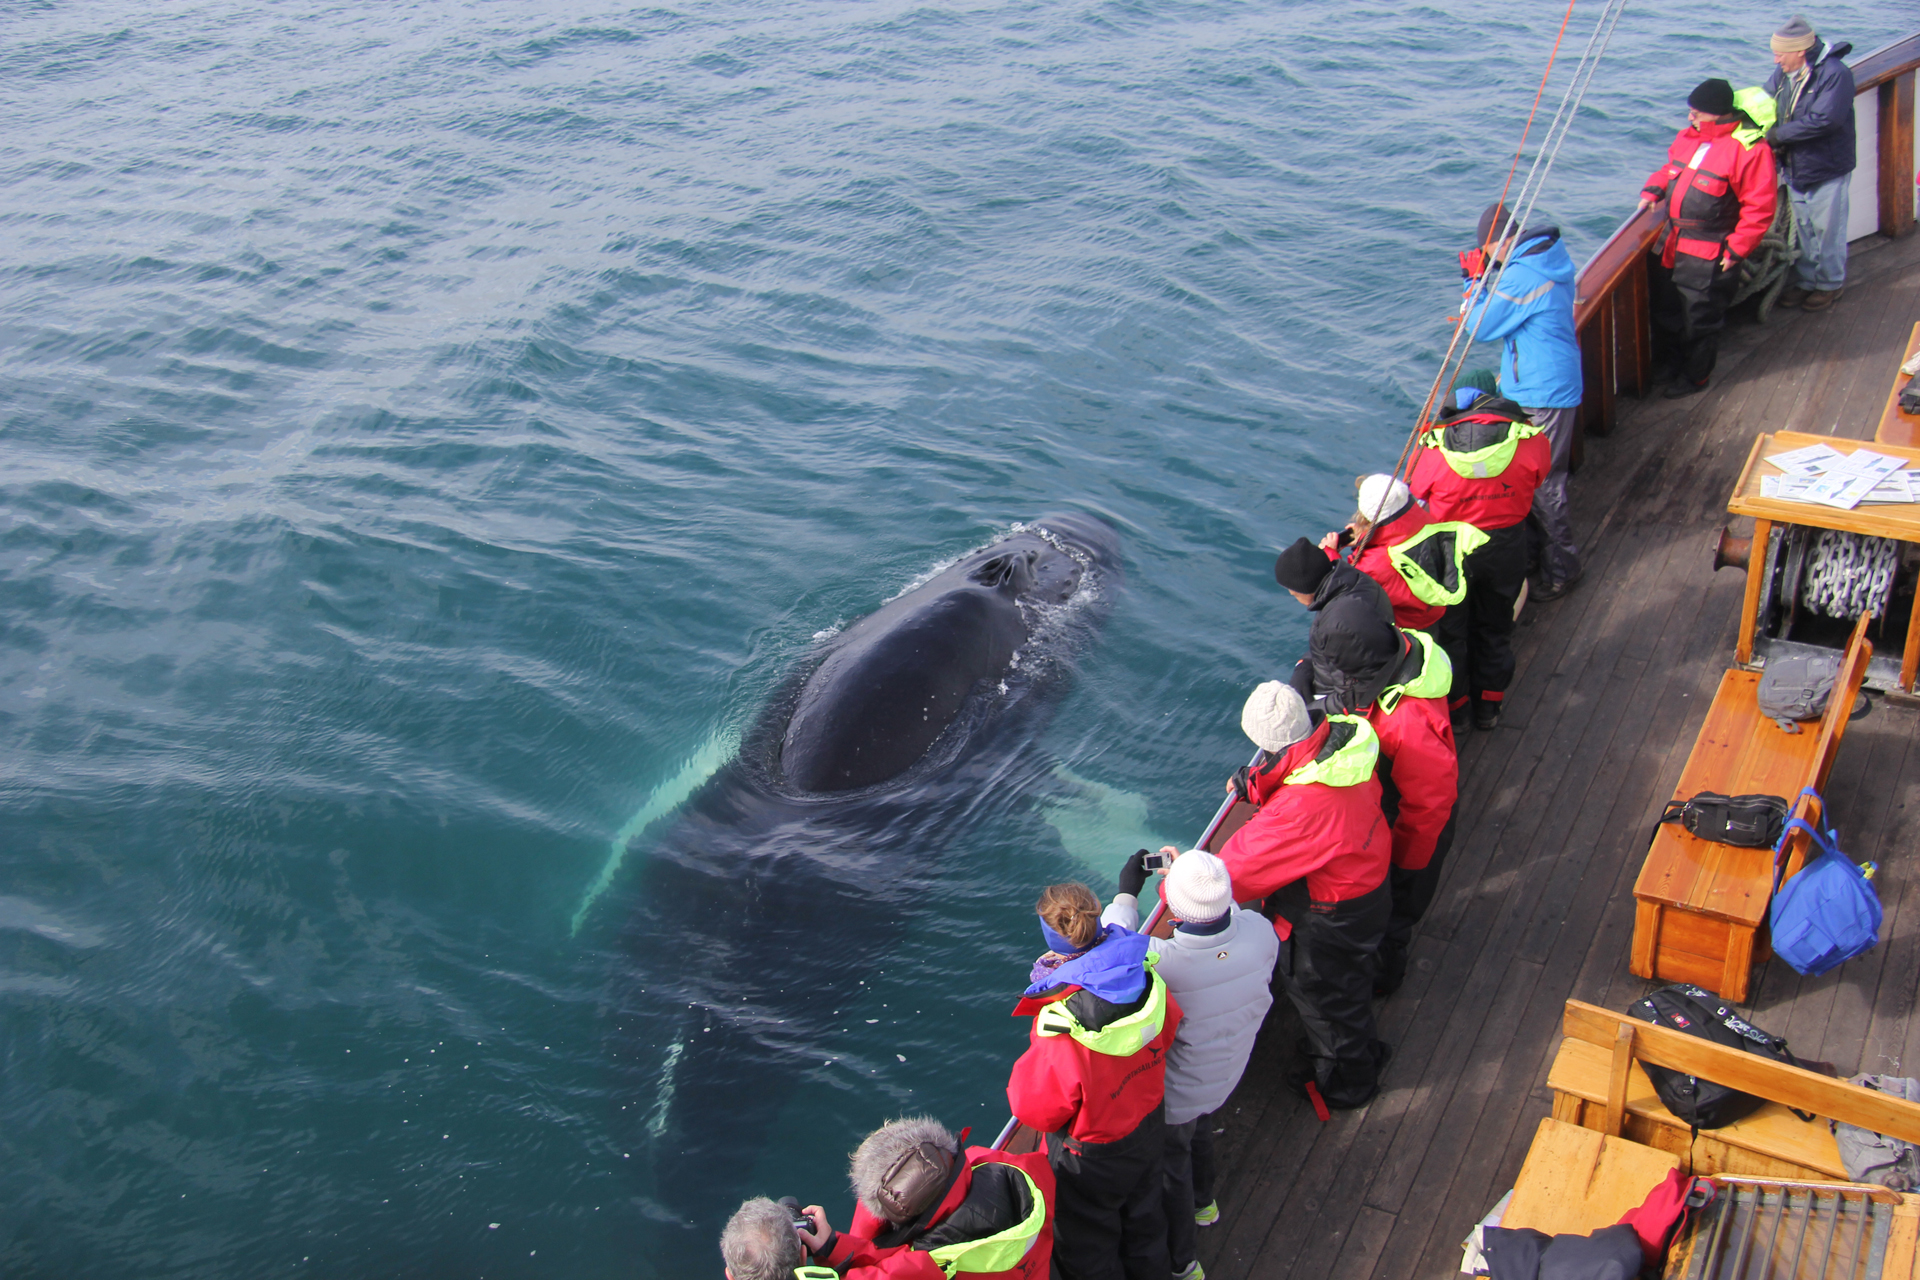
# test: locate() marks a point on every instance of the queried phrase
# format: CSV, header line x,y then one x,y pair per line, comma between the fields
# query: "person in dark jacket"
x,y
1813,146
1718,187
923,1205
1352,646
1531,308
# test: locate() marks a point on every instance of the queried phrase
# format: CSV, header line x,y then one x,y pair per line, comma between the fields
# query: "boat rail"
x,y
1610,296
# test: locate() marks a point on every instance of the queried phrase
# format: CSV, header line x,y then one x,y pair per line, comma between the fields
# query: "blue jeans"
x,y
1821,215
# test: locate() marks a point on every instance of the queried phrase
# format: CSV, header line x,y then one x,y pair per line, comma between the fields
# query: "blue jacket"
x,y
1813,143
1533,311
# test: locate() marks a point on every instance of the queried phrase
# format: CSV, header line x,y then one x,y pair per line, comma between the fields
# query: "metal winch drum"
x,y
1823,571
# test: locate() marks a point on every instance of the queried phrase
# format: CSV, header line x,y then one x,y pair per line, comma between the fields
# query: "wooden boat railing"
x,y
1610,302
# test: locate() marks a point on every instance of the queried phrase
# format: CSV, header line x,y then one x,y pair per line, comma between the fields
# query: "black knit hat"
x,y
1301,567
1715,97
1495,222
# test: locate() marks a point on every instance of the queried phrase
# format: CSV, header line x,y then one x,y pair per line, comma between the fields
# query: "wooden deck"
x,y
1556,810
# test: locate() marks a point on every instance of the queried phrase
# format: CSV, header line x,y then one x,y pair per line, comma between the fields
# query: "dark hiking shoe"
x,y
1681,388
1821,299
1462,719
1548,590
1392,975
1486,715
1791,296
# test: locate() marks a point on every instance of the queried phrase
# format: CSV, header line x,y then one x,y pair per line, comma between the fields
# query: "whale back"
x,y
895,682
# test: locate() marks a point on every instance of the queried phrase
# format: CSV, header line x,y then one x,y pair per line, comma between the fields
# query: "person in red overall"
x,y
1420,785
1479,465
1418,561
1318,821
1093,1080
923,1204
1719,188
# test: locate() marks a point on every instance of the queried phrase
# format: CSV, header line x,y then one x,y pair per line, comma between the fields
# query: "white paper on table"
x,y
1844,492
1786,488
1864,462
1809,460
1897,487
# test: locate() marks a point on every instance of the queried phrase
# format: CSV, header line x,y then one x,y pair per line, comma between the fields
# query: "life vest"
x,y
1433,680
1003,1250
1346,759
1703,208
1433,561
1478,444
1122,1038
815,1273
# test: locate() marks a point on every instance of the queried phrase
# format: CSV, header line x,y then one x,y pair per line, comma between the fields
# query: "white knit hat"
x,y
1382,498
1198,887
1274,716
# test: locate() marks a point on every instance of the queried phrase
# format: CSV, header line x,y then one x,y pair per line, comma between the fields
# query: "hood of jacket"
x,y
1353,645
1111,969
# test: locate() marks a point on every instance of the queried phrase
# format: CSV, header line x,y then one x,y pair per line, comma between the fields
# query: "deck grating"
x,y
1556,807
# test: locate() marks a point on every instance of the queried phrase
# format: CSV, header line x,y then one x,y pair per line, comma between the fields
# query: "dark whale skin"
x,y
787,875
892,683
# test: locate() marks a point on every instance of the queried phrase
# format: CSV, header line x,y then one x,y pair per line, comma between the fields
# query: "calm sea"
x,y
431,430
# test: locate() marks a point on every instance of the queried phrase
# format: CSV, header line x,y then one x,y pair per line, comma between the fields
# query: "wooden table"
x,y
1896,427
1898,520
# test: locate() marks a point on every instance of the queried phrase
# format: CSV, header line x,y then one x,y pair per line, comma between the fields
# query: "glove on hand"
x,y
1133,874
1241,785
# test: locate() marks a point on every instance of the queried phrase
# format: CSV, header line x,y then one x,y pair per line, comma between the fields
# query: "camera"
x,y
800,1221
1155,861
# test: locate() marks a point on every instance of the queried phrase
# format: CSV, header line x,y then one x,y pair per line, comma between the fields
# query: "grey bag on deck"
x,y
1797,688
1871,1157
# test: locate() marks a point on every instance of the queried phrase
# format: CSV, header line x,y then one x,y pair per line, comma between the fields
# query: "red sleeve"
x,y
1754,182
901,1264
1270,851
1661,179
1420,475
1044,1089
1376,564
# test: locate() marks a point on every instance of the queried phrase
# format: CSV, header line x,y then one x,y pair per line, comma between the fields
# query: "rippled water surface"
x,y
432,432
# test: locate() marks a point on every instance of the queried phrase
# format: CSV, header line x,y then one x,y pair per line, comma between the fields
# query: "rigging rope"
x,y
1522,209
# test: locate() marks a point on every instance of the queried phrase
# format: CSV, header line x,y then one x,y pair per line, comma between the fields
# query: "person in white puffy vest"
x,y
1219,966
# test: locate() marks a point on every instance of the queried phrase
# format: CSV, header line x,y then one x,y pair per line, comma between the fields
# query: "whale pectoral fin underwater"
x,y
1098,825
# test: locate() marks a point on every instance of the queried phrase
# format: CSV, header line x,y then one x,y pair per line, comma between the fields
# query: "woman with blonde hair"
x,y
1093,1079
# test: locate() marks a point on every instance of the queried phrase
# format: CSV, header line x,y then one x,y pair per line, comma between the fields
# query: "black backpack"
x,y
1697,1012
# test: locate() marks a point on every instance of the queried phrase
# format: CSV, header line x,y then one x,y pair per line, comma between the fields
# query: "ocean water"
x,y
432,432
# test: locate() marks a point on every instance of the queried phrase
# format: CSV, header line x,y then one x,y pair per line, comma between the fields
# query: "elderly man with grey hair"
x,y
1813,144
761,1243
922,1205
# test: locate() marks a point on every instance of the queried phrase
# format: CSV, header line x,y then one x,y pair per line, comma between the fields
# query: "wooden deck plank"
x,y
1611,685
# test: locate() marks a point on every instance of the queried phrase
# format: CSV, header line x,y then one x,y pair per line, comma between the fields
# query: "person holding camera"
x,y
1092,1080
924,1208
763,1241
1352,642
1219,965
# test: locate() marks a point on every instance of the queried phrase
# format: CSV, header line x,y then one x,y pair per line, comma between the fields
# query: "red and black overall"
x,y
1719,189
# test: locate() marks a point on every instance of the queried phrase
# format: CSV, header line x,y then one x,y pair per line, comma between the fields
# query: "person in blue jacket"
x,y
1813,144
1531,309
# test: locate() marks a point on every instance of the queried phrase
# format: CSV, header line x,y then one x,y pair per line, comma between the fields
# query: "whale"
x,y
756,916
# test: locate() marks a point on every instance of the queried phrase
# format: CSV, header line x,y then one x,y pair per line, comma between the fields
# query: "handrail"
x,y
1886,63
1611,262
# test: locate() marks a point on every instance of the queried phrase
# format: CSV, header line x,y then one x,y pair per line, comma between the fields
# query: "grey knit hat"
x,y
1274,717
1797,35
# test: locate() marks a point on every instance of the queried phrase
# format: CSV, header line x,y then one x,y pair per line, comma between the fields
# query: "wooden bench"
x,y
1897,428
1699,906
1570,1185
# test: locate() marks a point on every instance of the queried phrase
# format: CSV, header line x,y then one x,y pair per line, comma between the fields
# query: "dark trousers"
x,y
1109,1222
1327,968
1176,1181
1477,633
1688,304
1203,1161
1412,893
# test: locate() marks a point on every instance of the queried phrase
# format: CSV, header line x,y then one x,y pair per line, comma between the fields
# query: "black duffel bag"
x,y
1698,1012
1752,822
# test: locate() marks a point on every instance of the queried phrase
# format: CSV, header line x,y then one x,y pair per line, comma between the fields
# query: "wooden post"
x,y
1896,156
1640,327
1750,605
1616,1120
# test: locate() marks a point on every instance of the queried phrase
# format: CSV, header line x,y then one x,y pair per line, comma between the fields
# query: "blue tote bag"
x,y
1828,913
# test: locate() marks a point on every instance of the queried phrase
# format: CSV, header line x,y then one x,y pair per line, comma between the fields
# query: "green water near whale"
x,y
432,432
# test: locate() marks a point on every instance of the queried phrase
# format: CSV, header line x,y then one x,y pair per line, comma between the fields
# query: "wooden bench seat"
x,y
1699,906
1771,1143
1578,1182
